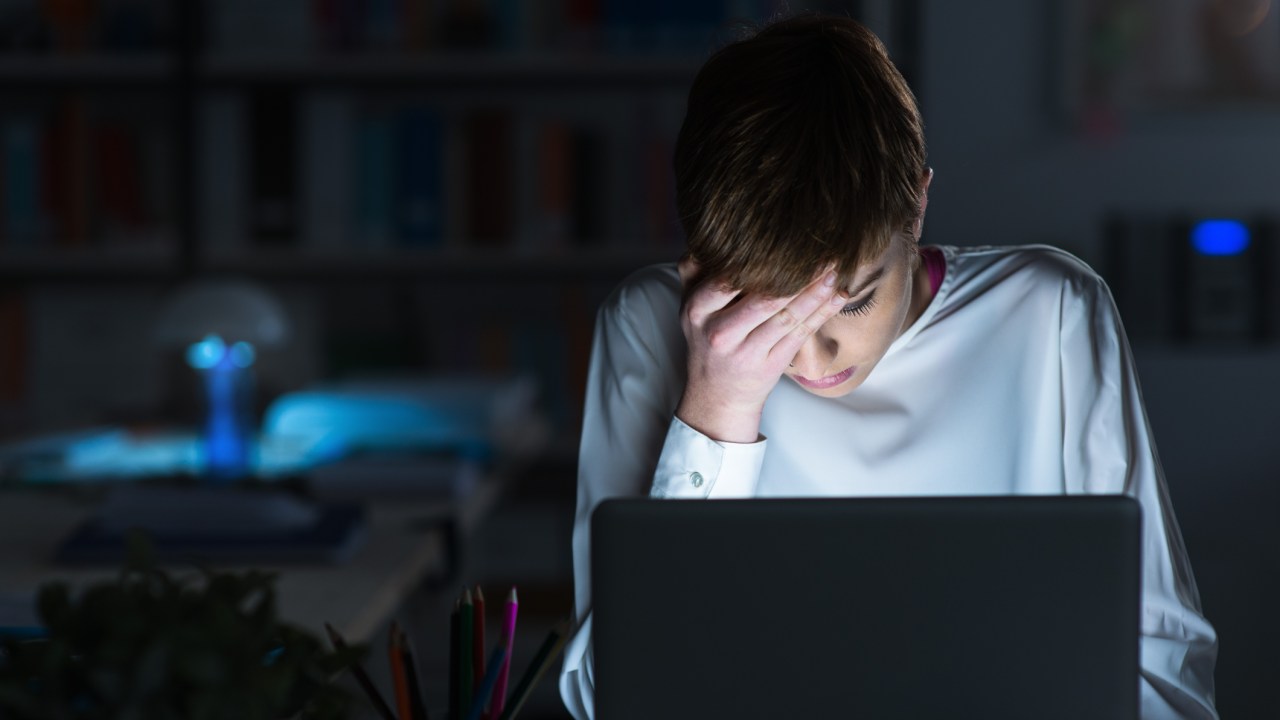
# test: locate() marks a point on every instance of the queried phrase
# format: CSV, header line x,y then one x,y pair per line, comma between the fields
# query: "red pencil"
x,y
509,610
395,653
477,637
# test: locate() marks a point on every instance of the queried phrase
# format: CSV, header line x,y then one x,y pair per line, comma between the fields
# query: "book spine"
x,y
273,167
420,164
23,182
13,350
588,183
64,153
383,24
489,201
327,169
582,20
375,150
555,186
119,185
222,140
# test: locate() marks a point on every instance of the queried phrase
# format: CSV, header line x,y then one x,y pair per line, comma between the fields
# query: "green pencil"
x,y
466,682
546,655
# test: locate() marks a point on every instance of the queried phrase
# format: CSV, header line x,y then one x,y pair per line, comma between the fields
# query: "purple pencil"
x,y
499,697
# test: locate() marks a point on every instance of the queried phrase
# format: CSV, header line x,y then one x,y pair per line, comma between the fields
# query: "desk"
x,y
406,544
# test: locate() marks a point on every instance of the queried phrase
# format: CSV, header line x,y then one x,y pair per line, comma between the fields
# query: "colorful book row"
x,y
622,26
72,27
329,174
70,177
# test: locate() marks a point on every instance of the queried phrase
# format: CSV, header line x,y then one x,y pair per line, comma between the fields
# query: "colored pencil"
x,y
455,657
466,623
490,679
547,653
477,636
509,611
417,704
375,698
395,657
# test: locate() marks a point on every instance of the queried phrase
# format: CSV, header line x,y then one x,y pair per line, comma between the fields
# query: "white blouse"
x,y
1017,379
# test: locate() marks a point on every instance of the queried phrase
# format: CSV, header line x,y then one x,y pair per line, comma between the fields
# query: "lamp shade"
x,y
234,310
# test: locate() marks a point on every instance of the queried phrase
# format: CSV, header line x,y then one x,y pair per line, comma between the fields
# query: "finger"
x,y
798,314
785,349
706,298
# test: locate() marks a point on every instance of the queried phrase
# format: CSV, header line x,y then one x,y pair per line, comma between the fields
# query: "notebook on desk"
x,y
996,607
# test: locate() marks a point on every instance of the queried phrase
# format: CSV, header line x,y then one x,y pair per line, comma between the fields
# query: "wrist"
x,y
721,422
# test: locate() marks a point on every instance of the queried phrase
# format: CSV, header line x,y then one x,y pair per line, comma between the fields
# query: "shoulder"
x,y
647,300
650,289
1024,267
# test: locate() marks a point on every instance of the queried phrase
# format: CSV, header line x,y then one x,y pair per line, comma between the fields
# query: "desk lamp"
x,y
221,323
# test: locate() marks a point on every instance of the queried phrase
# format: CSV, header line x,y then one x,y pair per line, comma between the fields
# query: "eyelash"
x,y
861,308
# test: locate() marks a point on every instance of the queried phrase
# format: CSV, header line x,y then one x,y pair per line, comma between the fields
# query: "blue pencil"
x,y
491,674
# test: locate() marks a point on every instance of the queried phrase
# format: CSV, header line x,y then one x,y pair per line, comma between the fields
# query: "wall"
x,y
1009,169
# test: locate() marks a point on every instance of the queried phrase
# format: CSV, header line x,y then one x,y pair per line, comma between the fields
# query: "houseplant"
x,y
149,645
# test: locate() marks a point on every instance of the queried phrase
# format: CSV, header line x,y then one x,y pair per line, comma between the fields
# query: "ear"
x,y
925,179
688,269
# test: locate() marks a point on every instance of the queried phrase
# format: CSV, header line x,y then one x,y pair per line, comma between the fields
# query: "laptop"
x,y
983,607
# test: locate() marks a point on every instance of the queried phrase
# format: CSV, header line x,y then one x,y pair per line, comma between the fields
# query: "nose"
x,y
813,361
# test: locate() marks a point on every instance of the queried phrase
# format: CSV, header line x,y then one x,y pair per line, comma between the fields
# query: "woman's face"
x,y
887,295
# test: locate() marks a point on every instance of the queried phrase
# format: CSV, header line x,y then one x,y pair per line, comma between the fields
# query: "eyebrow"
x,y
874,276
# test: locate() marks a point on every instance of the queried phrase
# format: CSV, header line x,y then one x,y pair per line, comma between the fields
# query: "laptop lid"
x,y
991,607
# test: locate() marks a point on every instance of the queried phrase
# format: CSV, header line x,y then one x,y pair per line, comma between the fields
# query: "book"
x,y
120,209
418,475
65,154
487,138
13,350
328,170
589,183
221,140
555,185
273,155
25,223
333,536
374,226
419,186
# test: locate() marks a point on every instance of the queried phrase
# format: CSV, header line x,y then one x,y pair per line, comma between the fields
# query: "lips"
x,y
827,382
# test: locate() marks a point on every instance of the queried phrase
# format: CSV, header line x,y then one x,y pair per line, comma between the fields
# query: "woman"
x,y
808,346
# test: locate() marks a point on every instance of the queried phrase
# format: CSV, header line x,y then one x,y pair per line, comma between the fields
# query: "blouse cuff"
x,y
693,465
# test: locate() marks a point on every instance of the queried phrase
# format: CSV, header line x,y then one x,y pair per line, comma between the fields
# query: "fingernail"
x,y
829,280
839,299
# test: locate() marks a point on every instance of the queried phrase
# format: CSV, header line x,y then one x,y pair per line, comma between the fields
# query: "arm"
x,y
631,441
1108,448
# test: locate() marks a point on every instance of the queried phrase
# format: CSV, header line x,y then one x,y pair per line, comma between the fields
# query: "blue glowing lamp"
x,y
1220,237
221,323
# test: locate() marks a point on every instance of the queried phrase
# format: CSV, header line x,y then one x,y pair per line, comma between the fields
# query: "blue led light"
x,y
242,354
207,353
1220,237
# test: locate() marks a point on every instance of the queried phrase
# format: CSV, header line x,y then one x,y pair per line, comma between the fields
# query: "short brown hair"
x,y
801,145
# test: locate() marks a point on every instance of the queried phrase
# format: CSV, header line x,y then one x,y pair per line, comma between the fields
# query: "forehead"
x,y
872,269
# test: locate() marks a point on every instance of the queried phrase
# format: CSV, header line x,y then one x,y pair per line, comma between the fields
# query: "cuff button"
x,y
696,479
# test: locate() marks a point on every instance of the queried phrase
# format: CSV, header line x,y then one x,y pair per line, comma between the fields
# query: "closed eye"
x,y
862,307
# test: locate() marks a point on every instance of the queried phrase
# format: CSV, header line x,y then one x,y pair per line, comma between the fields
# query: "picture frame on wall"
x,y
1127,60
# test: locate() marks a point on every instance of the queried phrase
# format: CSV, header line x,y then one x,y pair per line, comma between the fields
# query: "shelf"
x,y
451,265
462,70
88,266
42,70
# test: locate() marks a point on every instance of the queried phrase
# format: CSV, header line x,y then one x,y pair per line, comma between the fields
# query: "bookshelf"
x,y
403,152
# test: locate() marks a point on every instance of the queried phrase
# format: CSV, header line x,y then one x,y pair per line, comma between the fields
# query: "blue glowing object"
x,y
225,435
1220,237
227,431
242,354
206,353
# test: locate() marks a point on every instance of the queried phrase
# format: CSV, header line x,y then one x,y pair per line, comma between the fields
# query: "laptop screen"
x,y
991,607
